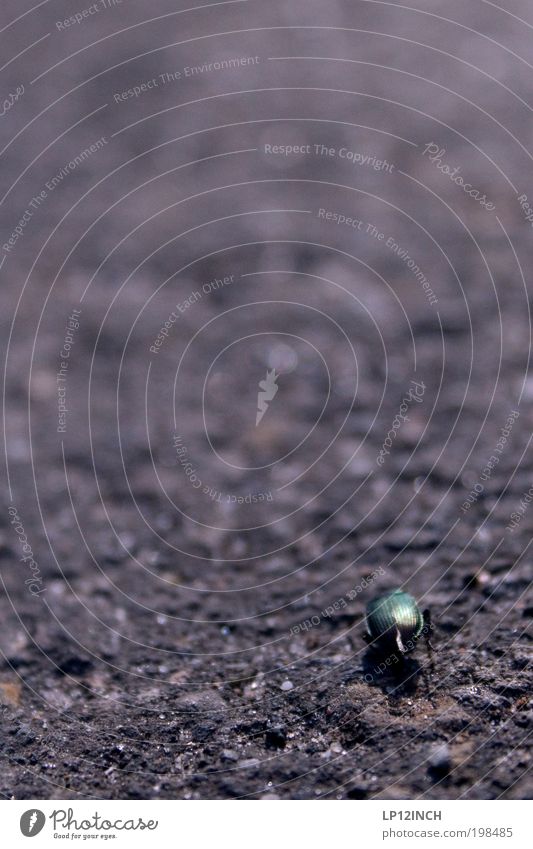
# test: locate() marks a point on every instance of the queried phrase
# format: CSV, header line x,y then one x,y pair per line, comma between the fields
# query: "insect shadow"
x,y
396,675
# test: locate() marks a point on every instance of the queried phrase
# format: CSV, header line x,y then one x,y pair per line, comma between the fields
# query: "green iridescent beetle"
x,y
395,623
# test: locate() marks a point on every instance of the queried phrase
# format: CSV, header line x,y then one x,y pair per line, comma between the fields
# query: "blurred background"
x,y
266,335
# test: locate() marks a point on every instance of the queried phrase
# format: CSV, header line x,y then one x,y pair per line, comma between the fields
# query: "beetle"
x,y
395,623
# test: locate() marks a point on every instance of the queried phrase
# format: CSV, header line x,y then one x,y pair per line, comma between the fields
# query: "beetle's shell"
x,y
394,621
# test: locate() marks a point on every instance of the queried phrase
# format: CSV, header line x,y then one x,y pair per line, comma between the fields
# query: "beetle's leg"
x,y
399,643
428,629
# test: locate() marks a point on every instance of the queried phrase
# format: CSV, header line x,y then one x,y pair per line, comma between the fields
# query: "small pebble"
x,y
287,685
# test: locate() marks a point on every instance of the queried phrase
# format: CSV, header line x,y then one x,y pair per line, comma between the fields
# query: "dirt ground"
x,y
320,208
